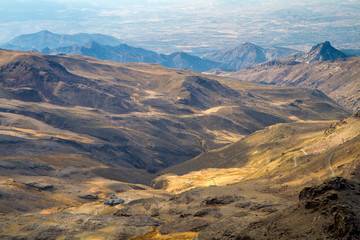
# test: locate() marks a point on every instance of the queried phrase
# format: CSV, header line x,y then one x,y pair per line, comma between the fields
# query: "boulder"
x,y
114,202
89,197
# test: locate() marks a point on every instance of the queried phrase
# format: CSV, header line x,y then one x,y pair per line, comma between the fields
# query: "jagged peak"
x,y
322,52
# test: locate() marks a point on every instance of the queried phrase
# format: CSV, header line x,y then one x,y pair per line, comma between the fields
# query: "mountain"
x,y
82,139
139,115
338,79
125,53
248,54
283,181
109,48
187,61
280,142
322,52
45,39
305,164
119,53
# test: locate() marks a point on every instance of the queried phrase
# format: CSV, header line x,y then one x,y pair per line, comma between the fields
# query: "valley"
x,y
94,149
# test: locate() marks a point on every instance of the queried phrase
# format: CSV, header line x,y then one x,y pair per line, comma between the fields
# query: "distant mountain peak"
x,y
249,44
324,45
45,32
322,52
47,39
248,54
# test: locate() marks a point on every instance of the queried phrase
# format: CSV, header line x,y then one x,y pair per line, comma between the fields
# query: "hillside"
x,y
282,161
248,54
287,149
338,79
77,132
268,198
136,115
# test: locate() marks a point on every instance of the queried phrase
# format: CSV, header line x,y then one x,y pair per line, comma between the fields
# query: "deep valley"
x,y
93,149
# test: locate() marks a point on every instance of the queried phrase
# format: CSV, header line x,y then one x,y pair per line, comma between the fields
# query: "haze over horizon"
x,y
190,26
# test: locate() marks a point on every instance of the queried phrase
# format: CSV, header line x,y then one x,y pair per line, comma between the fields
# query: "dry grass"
x,y
204,178
155,234
291,155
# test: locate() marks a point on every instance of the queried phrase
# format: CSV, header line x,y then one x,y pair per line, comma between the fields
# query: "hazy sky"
x,y
190,25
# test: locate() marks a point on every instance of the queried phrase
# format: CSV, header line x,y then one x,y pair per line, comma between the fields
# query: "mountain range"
x,y
45,39
94,149
109,48
125,53
337,77
249,54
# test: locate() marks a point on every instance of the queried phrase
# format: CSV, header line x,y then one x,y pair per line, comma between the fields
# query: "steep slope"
x,y
267,173
338,79
322,52
248,54
46,39
293,154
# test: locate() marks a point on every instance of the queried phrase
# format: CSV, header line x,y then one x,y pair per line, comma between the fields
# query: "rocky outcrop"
x,y
328,211
114,202
41,186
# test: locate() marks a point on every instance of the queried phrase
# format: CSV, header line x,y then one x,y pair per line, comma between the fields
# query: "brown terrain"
x,y
101,150
339,79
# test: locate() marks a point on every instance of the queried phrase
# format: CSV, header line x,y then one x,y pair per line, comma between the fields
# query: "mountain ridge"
x,y
249,54
43,39
331,77
126,53
110,48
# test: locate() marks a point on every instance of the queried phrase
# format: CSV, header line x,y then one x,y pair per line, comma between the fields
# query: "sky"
x,y
190,25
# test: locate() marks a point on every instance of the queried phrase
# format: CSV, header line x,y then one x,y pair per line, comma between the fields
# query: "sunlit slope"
x,y
291,155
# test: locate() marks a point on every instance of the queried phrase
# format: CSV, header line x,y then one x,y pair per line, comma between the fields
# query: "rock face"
x,y
337,200
322,52
328,211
